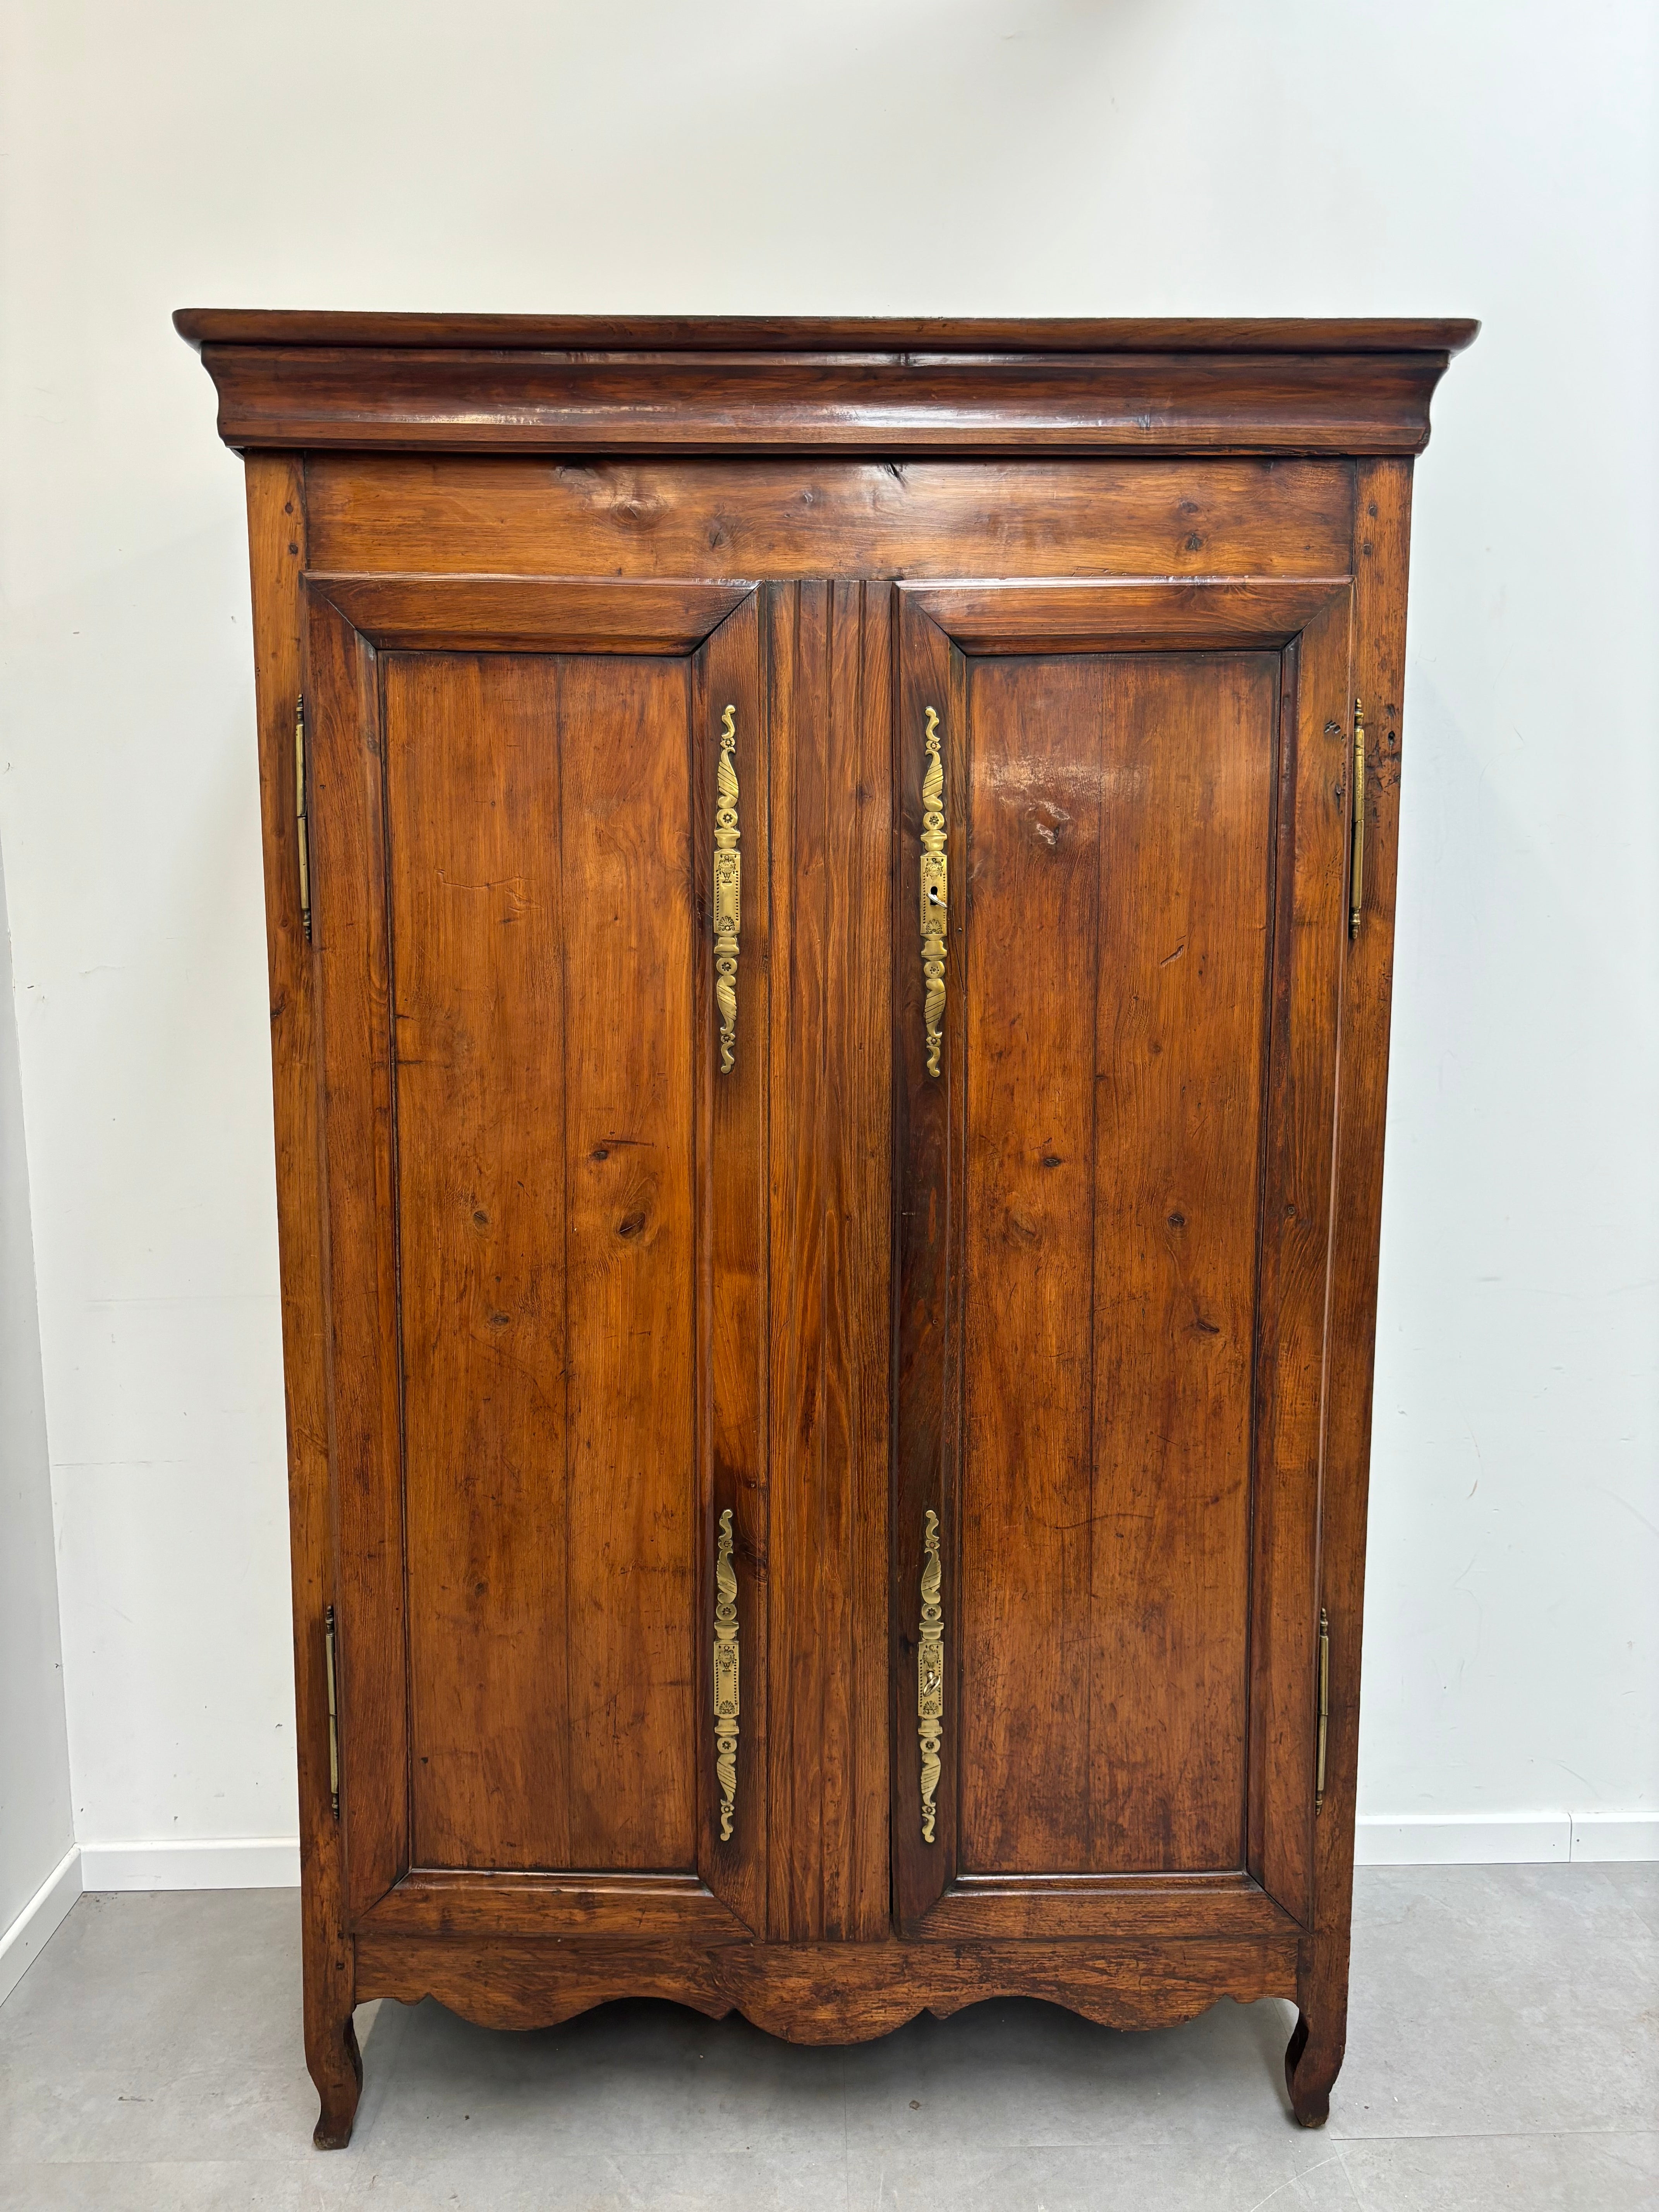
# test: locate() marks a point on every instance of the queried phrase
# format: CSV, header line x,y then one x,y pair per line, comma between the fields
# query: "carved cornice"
x,y
596,384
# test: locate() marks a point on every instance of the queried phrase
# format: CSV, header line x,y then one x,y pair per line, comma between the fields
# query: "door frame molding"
x,y
345,621
943,627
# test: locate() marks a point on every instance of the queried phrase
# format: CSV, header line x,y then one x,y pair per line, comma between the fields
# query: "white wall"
x,y
37,1827
1283,156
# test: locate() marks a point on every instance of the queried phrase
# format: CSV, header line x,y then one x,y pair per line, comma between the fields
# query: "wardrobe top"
x,y
734,384
949,334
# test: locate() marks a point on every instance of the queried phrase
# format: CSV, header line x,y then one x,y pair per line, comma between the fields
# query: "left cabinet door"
x,y
545,1214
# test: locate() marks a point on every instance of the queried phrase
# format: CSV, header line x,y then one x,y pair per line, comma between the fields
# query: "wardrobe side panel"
x,y
277,550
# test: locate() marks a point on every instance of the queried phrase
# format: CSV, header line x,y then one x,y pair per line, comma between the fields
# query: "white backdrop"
x,y
1271,157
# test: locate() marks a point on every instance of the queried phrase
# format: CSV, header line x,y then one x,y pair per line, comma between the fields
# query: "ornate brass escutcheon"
x,y
725,1676
930,1675
933,902
728,891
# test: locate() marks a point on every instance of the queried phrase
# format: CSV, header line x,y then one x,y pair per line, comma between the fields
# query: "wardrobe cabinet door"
x,y
544,1221
1120,932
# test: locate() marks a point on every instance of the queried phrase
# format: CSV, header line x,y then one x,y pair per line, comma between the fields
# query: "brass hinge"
x,y
303,830
333,1713
1324,1708
1357,870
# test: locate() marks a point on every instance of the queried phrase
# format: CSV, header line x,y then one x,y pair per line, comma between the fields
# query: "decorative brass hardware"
x,y
930,1675
728,891
933,903
1356,871
1324,1708
333,1712
725,1674
302,827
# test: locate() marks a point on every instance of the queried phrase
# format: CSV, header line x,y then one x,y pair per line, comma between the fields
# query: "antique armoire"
x,y
830,896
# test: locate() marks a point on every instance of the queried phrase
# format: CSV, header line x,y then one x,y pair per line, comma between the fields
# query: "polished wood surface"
x,y
828,648
817,517
545,1199
558,1294
276,559
529,385
1113,995
831,1993
963,334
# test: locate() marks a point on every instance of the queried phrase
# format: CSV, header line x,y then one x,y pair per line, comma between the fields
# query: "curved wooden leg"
x,y
1311,2065
1313,2057
332,2058
336,2065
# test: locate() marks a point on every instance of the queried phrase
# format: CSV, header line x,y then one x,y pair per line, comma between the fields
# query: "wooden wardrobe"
x,y
831,891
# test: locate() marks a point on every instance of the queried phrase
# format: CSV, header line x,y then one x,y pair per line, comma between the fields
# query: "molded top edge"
x,y
239,327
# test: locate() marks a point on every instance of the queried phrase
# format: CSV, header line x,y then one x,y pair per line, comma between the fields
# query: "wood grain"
x,y
472,800
1129,393
447,613
1114,994
441,1901
1108,554
927,1233
1032,888
631,1601
827,651
733,1282
1185,855
1122,614
968,334
352,971
276,554
827,1993
1309,935
818,517
1382,546
1113,1908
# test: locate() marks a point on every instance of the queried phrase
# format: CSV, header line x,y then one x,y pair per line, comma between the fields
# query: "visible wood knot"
x,y
630,1225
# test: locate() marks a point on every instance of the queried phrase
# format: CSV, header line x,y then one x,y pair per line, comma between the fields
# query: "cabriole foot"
x,y
1310,2068
336,2068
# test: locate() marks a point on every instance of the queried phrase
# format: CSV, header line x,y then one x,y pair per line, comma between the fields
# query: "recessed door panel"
x,y
1114,998
542,1193
540,819
1113,1243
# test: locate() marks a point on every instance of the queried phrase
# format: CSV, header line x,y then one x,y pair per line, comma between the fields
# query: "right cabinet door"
x,y
1122,914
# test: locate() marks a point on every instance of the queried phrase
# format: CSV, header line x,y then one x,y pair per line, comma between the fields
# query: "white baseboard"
x,y
39,1921
1504,1838
1417,1840
1611,1836
226,1863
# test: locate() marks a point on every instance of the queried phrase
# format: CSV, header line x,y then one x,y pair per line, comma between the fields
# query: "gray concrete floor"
x,y
1503,2051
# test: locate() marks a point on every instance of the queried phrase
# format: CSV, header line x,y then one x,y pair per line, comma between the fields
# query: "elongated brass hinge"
x,y
728,891
933,891
333,1713
302,827
1357,868
726,1699
930,1675
1324,1708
